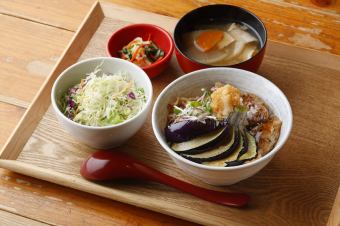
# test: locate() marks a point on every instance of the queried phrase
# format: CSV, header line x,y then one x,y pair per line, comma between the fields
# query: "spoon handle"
x,y
222,198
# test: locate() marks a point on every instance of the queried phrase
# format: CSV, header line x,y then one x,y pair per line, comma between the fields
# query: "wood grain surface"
x,y
334,218
32,64
9,117
65,15
26,17
68,206
296,22
39,105
281,186
9,219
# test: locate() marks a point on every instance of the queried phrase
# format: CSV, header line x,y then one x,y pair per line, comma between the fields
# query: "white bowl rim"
x,y
62,74
271,154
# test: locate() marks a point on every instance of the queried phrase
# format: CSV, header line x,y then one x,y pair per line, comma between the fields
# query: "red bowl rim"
x,y
163,31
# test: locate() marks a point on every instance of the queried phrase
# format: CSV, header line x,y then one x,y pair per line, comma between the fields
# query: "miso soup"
x,y
222,44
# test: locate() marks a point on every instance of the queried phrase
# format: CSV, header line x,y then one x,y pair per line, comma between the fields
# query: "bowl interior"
x,y
126,34
78,71
191,84
218,14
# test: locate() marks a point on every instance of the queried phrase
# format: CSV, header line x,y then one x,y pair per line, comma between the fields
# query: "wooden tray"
x,y
297,188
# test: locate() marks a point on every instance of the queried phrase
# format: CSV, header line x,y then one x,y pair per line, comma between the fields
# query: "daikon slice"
x,y
226,41
206,46
235,49
232,27
249,50
236,26
232,53
242,36
210,57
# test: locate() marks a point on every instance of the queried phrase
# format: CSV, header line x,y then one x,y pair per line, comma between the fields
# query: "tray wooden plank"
x,y
10,219
41,102
297,188
334,218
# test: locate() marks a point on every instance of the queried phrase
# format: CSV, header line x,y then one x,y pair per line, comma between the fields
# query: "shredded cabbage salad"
x,y
103,99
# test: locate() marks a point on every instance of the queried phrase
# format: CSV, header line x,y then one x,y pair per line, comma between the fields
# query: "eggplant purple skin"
x,y
214,145
187,129
245,144
208,146
235,163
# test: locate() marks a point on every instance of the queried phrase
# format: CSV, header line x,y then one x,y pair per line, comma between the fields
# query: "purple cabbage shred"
x,y
132,95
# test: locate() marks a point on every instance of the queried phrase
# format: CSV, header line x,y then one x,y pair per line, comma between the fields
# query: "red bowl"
x,y
218,13
159,36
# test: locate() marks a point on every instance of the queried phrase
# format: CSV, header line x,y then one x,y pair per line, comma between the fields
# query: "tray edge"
x,y
96,189
41,101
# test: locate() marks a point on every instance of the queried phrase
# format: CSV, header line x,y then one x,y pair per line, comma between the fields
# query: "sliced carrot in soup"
x,y
208,39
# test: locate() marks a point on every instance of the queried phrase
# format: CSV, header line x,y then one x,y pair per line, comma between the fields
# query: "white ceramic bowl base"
x,y
108,136
190,86
220,178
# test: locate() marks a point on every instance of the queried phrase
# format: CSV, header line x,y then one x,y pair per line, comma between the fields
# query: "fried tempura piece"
x,y
224,99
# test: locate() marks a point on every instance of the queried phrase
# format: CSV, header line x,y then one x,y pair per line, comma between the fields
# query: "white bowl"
x,y
190,85
105,137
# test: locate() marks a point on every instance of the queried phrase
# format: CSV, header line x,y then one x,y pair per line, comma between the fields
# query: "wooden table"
x,y
33,36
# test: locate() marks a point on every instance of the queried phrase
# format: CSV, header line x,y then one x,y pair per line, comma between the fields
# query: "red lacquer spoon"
x,y
110,165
